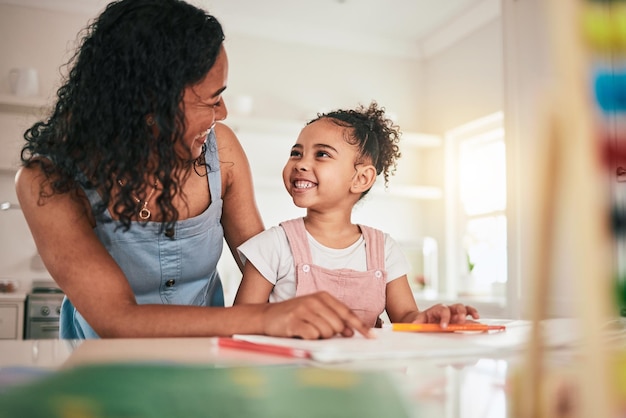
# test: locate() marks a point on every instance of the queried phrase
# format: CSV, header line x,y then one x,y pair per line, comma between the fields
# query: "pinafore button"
x,y
306,268
170,282
378,274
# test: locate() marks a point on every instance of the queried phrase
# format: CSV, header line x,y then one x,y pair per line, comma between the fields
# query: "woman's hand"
x,y
444,315
310,317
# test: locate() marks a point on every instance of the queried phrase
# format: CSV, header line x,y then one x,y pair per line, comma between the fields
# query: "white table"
x,y
442,387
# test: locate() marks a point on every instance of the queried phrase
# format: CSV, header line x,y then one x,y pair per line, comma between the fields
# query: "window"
x,y
476,223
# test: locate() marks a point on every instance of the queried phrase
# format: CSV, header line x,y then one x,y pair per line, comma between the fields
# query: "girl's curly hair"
x,y
134,60
375,136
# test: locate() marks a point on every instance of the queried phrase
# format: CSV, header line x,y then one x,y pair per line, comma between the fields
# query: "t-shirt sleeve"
x,y
266,252
396,262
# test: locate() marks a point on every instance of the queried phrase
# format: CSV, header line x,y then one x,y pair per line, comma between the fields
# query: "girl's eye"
x,y
294,153
322,154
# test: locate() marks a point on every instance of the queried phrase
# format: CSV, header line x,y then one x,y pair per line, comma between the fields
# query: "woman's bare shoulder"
x,y
225,135
29,180
231,152
33,187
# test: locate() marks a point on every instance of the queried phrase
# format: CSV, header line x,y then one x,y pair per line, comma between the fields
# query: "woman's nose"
x,y
221,111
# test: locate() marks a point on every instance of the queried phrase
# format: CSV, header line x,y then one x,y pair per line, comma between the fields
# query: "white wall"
x,y
287,83
529,79
465,81
462,83
36,38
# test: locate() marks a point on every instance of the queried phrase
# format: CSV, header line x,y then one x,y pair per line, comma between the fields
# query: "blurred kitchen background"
x,y
464,80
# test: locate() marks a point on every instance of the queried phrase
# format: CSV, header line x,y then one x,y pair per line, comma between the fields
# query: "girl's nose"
x,y
300,165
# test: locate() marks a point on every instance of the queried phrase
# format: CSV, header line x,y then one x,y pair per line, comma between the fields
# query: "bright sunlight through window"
x,y
476,195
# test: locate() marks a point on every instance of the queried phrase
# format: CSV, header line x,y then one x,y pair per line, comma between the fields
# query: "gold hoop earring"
x,y
150,120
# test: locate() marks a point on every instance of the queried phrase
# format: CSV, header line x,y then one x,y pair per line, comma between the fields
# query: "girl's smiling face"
x,y
204,105
321,167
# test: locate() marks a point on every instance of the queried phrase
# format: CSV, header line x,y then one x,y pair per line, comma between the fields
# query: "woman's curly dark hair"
x,y
135,60
375,136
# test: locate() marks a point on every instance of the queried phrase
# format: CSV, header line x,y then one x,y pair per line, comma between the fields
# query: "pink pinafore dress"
x,y
361,291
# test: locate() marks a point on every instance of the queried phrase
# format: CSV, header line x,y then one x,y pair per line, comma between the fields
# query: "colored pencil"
x,y
277,350
449,328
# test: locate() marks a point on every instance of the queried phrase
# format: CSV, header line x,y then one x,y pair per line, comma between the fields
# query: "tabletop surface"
x,y
470,384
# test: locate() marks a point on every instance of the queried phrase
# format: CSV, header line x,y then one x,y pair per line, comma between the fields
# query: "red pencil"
x,y
263,348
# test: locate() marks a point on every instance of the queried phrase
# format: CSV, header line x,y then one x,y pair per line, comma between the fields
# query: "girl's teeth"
x,y
303,184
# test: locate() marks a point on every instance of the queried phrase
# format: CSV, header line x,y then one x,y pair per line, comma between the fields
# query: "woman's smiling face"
x,y
203,106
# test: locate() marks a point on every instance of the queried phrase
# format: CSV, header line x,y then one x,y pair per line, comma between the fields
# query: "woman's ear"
x,y
363,179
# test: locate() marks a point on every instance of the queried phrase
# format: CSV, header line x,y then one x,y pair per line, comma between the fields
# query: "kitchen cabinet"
x,y
16,115
24,102
12,316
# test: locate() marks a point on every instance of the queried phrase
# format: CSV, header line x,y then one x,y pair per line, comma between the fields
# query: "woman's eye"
x,y
212,105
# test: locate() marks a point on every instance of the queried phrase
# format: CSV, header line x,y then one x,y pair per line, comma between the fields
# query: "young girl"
x,y
333,164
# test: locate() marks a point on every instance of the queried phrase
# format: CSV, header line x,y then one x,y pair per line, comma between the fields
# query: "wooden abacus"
x,y
575,190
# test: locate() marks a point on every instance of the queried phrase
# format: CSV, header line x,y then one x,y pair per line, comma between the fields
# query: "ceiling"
x,y
407,28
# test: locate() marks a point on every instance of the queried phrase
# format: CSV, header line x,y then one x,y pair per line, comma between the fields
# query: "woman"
x,y
131,185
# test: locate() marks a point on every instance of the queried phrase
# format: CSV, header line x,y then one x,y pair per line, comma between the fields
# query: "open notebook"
x,y
395,345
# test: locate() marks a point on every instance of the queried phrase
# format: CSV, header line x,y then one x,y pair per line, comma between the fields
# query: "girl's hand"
x,y
444,315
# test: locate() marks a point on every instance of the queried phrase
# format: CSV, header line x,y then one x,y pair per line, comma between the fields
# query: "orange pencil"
x,y
450,327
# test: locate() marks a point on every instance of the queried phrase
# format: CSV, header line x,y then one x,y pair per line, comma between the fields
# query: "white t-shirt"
x,y
270,253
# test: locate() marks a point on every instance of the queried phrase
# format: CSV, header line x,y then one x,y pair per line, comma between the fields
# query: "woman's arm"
x,y
240,216
63,232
